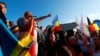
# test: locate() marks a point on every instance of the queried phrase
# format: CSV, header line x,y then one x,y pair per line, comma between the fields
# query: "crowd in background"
x,y
60,43
67,43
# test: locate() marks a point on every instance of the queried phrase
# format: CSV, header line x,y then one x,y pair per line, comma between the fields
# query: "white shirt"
x,y
35,42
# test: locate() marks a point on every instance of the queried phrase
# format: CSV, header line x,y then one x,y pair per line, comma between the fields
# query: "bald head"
x,y
28,15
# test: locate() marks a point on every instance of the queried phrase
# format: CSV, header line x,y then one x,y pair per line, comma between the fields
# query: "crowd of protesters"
x,y
60,43
69,43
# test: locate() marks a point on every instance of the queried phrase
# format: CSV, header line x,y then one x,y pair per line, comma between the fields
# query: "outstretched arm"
x,y
42,18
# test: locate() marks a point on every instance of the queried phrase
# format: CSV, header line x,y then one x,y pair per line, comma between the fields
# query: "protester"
x,y
93,35
25,22
50,43
3,9
97,46
83,43
10,24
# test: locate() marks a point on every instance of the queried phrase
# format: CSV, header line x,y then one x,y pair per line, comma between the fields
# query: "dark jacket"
x,y
22,24
2,17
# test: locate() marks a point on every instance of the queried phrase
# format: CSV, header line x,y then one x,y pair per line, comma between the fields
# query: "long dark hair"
x,y
3,4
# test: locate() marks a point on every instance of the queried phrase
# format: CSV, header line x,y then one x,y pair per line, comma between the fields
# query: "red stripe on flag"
x,y
57,28
31,50
92,28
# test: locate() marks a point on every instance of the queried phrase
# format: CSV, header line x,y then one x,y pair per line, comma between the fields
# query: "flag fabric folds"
x,y
11,46
95,26
56,24
92,28
26,40
7,40
98,23
1,54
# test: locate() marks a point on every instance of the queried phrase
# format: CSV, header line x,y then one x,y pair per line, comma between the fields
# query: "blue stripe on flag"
x,y
1,54
98,23
55,19
7,39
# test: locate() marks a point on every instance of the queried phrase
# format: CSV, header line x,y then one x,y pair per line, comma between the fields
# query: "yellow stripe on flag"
x,y
28,54
27,38
57,23
96,26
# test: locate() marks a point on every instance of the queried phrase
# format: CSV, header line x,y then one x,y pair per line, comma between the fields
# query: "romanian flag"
x,y
11,46
56,24
26,41
95,26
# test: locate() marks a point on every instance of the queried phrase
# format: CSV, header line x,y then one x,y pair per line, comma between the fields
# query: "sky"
x,y
67,10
